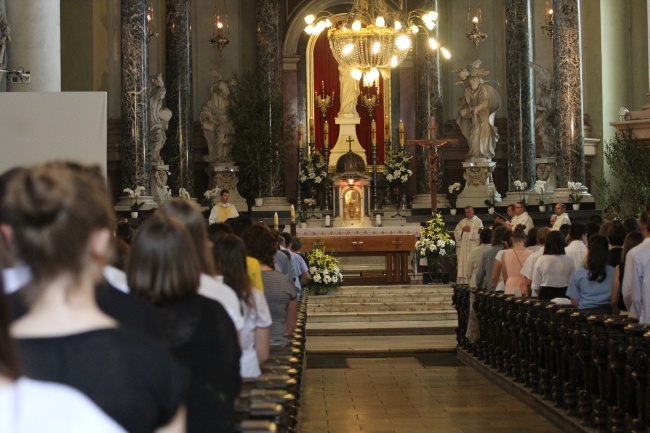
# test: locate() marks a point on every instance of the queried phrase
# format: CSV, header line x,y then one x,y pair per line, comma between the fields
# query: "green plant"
x,y
574,197
492,201
133,195
628,191
262,126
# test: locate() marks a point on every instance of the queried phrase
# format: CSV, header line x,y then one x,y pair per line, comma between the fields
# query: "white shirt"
x,y
116,278
552,271
16,277
501,285
258,317
215,288
30,406
473,260
560,221
577,250
529,264
636,282
523,219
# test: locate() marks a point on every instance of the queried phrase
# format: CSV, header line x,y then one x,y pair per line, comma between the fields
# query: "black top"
x,y
199,332
614,257
131,378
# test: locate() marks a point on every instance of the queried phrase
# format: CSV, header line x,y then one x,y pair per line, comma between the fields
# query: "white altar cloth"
x,y
358,231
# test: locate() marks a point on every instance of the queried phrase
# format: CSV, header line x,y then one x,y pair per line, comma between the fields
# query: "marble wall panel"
x,y
135,101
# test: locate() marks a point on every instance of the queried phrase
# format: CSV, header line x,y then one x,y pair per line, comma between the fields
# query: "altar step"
x,y
383,310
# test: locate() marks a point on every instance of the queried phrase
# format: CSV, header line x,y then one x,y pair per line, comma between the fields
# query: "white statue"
x,y
5,37
159,116
476,112
215,122
349,93
545,102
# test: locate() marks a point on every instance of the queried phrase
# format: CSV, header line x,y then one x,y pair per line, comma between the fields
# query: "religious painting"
x,y
352,205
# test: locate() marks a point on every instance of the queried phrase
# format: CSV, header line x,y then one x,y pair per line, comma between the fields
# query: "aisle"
x,y
430,393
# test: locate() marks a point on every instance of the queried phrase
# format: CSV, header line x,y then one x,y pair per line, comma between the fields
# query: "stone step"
x,y
378,306
410,327
381,316
381,298
380,345
396,289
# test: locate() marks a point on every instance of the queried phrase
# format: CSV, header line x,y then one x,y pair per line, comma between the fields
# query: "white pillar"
x,y
35,43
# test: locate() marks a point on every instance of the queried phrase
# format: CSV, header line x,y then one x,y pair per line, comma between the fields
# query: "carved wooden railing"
x,y
592,367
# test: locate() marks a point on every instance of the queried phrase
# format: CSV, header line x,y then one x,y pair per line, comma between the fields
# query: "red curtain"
x,y
326,74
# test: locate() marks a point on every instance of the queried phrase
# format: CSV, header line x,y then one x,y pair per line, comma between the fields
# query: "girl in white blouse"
x,y
553,270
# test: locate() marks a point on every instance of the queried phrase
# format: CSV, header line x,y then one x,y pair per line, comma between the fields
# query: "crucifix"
x,y
432,144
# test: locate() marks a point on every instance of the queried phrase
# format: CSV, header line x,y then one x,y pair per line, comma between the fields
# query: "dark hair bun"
x,y
40,196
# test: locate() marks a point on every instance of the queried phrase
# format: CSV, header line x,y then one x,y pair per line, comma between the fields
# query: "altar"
x,y
369,255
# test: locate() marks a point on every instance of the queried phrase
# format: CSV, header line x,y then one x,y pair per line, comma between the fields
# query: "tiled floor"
x,y
399,395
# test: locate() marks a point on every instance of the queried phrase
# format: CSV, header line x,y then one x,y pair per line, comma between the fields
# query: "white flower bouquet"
x,y
452,197
397,171
539,188
574,187
492,201
435,243
521,186
212,194
133,195
182,193
313,173
324,271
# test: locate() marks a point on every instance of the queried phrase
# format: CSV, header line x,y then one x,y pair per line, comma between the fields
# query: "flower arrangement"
x,y
539,188
313,173
452,196
167,191
182,193
212,194
324,272
574,187
134,194
397,171
435,243
492,201
311,202
521,186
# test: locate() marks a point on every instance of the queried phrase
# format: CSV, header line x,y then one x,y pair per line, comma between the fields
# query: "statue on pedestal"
x,y
159,116
476,112
545,108
349,93
5,37
215,122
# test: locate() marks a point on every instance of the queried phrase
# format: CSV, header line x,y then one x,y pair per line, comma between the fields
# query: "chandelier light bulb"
x,y
380,22
310,19
433,15
394,62
430,25
398,26
328,23
347,49
356,74
320,27
433,43
475,20
219,25
415,28
445,52
309,29
403,42
356,26
376,47
550,12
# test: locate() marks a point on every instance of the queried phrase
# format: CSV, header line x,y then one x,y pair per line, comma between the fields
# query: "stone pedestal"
x,y
159,175
124,205
423,201
545,170
478,177
561,195
224,176
347,130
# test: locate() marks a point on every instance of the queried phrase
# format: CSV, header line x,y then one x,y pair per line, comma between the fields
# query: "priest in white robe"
x,y
223,210
467,238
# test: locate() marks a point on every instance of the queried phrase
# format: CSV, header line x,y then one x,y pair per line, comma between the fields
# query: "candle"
x,y
323,86
311,130
378,220
276,224
327,220
401,133
326,134
293,215
300,135
373,132
387,129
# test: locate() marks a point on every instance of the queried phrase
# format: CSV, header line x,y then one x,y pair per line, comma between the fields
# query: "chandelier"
x,y
371,39
548,25
475,35
219,39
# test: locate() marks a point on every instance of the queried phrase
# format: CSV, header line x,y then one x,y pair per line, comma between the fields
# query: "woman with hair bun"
x,y
62,222
513,261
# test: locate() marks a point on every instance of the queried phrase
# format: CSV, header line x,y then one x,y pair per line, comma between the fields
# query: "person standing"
x,y
467,238
521,217
553,270
590,288
513,261
561,216
577,248
636,281
223,210
474,258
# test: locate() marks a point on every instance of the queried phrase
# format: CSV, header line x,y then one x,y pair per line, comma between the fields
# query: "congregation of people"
x,y
599,267
105,327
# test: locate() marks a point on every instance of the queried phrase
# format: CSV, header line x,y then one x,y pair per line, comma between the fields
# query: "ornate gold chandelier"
x,y
371,39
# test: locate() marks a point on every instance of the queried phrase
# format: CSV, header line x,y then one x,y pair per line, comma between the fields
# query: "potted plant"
x,y
539,188
521,186
574,197
133,195
437,246
313,174
398,173
324,272
452,197
212,195
492,201
183,193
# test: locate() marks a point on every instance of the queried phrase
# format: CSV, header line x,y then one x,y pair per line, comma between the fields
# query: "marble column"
x,y
135,96
180,150
520,94
267,13
35,44
567,67
429,103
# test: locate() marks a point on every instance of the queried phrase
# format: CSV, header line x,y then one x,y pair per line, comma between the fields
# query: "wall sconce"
x,y
548,25
151,23
475,35
219,38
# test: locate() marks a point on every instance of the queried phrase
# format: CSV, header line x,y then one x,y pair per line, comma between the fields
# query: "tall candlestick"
x,y
326,134
293,215
276,223
373,132
311,130
300,135
387,129
401,133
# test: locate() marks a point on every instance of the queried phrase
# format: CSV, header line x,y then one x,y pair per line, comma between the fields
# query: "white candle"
x,y
311,130
327,220
300,135
326,134
293,215
276,223
373,132
401,133
378,219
